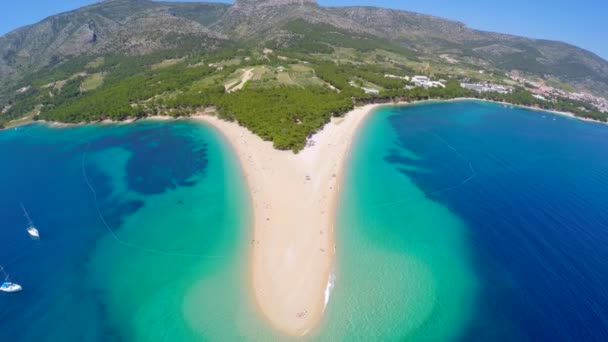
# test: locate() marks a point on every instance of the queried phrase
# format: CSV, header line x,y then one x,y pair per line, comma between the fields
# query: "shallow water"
x,y
169,244
457,221
403,261
474,221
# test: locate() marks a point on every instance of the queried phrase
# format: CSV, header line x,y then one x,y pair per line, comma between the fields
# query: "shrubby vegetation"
x,y
285,115
519,96
119,100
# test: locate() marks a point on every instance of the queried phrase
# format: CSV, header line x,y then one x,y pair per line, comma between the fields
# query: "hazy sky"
x,y
583,23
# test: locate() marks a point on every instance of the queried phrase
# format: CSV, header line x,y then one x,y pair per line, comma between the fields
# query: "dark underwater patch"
x,y
162,158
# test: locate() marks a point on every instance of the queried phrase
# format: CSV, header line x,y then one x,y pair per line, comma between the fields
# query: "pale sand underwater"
x,y
294,203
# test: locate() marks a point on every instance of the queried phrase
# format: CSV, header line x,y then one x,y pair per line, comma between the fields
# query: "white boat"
x,y
33,232
31,229
7,286
10,287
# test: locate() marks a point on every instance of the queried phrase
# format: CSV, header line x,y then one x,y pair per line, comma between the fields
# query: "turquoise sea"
x,y
458,221
474,221
143,234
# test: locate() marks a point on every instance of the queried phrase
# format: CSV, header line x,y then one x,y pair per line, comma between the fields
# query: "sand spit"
x,y
294,202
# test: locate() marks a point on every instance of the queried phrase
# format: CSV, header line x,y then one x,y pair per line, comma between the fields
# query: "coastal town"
x,y
540,91
548,93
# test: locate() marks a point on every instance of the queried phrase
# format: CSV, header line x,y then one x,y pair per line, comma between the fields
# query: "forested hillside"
x,y
281,68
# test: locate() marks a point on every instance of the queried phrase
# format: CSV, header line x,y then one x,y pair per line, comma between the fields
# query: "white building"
x,y
474,86
500,89
420,80
482,88
540,97
435,84
425,82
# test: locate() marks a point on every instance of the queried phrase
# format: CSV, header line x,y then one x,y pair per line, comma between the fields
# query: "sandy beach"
x,y
294,202
294,199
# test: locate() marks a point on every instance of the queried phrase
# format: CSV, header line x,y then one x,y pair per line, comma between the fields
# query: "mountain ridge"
x,y
140,27
265,3
281,68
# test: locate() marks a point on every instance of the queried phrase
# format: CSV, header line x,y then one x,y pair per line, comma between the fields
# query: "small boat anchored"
x,y
8,286
33,232
31,229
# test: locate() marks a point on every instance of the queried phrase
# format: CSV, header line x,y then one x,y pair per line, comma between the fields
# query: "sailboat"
x,y
8,286
31,229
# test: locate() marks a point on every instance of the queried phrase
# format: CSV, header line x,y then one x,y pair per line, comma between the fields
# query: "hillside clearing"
x,y
92,82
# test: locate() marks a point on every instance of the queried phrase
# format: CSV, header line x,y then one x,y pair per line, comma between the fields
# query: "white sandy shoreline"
x,y
56,124
294,198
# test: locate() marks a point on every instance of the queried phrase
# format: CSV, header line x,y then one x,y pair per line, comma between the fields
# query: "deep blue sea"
x,y
141,226
458,221
532,190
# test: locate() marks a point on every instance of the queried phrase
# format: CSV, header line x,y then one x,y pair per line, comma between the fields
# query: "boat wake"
x,y
331,281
